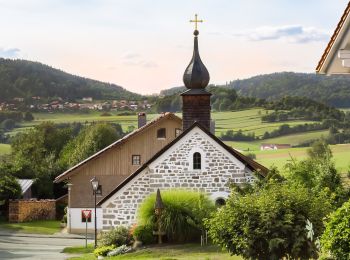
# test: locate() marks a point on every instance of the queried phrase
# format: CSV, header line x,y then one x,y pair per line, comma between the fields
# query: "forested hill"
x,y
332,90
21,78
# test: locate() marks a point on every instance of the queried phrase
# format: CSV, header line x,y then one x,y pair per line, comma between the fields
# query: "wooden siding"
x,y
113,166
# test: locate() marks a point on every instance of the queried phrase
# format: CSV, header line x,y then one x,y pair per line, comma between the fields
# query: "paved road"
x,y
38,247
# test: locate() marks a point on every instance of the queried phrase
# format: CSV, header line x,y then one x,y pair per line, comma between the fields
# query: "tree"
x,y
336,238
269,222
9,188
318,173
28,116
89,141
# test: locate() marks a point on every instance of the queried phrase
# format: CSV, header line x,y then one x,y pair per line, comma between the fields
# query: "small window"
x,y
136,159
177,132
197,161
161,133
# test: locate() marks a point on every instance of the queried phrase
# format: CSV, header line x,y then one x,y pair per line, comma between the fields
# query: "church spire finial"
x,y
196,21
196,75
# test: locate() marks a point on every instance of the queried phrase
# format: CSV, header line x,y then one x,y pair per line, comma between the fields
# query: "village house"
x,y
195,160
336,57
264,147
114,163
159,155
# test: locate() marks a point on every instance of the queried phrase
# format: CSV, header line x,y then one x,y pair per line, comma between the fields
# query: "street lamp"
x,y
94,184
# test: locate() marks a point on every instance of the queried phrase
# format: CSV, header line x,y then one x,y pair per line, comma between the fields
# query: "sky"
x,y
145,45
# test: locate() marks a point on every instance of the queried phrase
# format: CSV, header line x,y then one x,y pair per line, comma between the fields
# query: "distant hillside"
x,y
333,90
21,78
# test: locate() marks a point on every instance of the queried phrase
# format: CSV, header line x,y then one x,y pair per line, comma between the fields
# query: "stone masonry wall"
x,y
29,210
175,171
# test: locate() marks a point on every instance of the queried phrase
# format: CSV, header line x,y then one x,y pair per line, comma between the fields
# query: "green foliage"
x,y
89,141
28,116
20,78
269,222
9,188
115,237
144,233
103,250
318,172
336,238
182,217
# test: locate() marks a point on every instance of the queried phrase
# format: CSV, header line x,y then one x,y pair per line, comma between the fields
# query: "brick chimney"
x,y
141,120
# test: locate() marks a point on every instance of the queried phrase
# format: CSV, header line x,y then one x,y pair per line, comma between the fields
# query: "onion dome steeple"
x,y
196,75
196,100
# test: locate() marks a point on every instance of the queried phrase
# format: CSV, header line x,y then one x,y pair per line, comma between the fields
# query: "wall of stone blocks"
x,y
30,210
175,172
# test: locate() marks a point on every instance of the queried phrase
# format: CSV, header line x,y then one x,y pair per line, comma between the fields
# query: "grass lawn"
x,y
173,252
47,227
79,249
5,149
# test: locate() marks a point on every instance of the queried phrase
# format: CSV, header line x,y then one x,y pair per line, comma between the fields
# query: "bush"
x,y
103,250
183,214
144,233
336,238
117,237
270,222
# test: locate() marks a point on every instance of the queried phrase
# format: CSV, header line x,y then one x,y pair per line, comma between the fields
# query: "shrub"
x,y
336,238
118,236
103,250
144,233
183,214
270,223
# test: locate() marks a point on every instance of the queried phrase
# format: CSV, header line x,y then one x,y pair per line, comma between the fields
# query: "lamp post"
x,y
94,184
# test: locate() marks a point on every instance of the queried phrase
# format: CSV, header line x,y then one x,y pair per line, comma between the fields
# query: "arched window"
x,y
161,133
197,161
220,202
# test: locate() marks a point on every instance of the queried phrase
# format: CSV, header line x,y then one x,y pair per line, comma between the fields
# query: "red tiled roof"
x,y
70,171
333,38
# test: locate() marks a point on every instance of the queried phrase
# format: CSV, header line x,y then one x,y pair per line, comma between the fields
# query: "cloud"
x,y
290,33
135,59
130,55
11,53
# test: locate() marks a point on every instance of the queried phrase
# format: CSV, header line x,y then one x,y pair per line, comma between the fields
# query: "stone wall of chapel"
x,y
175,171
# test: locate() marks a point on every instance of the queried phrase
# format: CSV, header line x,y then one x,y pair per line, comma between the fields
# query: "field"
x,y
279,158
248,121
5,149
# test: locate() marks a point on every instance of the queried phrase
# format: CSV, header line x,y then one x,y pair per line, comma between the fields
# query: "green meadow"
x,y
249,121
5,149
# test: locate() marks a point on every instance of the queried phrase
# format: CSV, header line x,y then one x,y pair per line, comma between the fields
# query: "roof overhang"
x,y
336,57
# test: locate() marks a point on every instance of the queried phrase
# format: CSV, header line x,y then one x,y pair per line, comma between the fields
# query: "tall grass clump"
x,y
183,214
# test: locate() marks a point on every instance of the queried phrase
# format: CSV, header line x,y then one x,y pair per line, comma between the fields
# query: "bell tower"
x,y
196,100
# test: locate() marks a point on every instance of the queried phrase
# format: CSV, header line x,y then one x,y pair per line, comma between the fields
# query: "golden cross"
x,y
196,21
